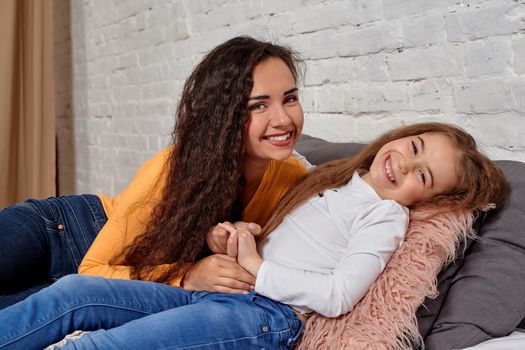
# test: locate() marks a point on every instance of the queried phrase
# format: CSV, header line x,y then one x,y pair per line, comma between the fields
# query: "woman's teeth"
x,y
279,138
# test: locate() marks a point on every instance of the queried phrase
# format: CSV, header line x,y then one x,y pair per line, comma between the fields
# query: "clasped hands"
x,y
233,267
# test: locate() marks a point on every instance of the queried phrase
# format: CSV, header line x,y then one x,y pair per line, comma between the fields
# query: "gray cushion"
x,y
482,294
319,151
486,294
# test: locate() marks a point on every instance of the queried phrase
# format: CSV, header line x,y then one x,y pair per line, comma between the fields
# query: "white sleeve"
x,y
377,235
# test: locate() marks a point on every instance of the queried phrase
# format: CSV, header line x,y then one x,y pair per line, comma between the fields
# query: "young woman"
x,y
237,122
329,239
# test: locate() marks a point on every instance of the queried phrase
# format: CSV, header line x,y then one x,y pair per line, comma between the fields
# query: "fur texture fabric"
x,y
385,318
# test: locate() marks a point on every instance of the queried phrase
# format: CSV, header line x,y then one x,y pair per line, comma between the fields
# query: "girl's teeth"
x,y
389,171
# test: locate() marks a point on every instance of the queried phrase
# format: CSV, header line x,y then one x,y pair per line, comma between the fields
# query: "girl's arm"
x,y
241,244
334,291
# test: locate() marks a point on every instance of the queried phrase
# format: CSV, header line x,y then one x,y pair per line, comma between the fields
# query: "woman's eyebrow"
x,y
265,97
260,97
292,90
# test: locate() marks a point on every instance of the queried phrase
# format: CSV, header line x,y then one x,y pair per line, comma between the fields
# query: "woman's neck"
x,y
253,175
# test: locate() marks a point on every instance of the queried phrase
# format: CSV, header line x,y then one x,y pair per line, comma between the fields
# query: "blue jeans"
x,y
126,314
43,240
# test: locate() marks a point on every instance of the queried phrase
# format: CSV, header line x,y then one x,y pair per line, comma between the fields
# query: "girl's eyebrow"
x,y
422,143
431,177
265,97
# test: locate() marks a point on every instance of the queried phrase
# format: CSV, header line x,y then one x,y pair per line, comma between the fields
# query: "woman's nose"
x,y
280,117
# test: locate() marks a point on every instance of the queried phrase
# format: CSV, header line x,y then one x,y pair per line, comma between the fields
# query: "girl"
x,y
331,237
238,120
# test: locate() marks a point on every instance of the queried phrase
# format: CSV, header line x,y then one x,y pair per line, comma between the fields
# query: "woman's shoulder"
x,y
157,161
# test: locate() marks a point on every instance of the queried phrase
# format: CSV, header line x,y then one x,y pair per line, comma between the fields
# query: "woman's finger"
x,y
233,284
217,239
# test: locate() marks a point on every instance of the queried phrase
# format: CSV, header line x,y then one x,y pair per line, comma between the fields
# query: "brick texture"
x,y
371,65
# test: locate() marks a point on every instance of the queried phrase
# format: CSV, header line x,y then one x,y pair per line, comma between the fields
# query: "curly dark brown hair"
x,y
204,174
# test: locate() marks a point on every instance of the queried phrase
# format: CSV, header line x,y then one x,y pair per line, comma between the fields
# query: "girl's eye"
x,y
423,176
414,147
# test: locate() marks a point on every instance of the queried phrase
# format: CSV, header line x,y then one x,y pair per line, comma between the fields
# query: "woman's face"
x,y
415,168
275,119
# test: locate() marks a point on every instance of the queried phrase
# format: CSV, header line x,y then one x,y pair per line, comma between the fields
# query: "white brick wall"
x,y
371,65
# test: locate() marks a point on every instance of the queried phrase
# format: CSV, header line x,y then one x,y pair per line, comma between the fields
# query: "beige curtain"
x,y
27,115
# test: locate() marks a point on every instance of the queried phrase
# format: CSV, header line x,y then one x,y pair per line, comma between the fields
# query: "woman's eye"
x,y
291,98
256,106
414,147
423,176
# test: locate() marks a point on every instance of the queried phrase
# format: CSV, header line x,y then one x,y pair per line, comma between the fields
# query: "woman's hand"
x,y
218,273
241,244
221,273
217,237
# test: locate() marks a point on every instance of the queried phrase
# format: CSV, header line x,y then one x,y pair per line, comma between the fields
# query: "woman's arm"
x,y
126,221
215,273
220,272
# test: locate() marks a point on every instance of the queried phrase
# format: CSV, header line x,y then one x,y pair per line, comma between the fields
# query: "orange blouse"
x,y
144,191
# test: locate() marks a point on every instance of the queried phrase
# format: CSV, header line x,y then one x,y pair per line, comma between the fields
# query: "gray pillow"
x,y
482,294
318,151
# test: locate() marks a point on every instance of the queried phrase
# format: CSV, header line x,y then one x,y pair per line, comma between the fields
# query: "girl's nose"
x,y
405,165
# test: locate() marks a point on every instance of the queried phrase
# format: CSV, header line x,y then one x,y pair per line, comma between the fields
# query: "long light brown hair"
x,y
481,182
204,174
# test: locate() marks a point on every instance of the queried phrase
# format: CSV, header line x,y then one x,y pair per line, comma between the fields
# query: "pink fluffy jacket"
x,y
384,319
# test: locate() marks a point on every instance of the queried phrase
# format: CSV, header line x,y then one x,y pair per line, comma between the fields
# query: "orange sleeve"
x,y
120,230
109,203
140,197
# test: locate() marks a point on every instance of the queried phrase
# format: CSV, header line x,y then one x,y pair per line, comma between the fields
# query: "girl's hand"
x,y
217,237
241,244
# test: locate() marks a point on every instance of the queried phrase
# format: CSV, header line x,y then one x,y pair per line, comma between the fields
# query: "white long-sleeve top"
x,y
326,253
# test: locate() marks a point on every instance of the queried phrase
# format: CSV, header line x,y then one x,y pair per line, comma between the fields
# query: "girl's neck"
x,y
253,175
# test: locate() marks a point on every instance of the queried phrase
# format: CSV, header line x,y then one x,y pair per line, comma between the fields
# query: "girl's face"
x,y
415,168
275,118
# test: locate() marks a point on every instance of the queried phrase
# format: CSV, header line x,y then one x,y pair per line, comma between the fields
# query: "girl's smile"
x,y
389,173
